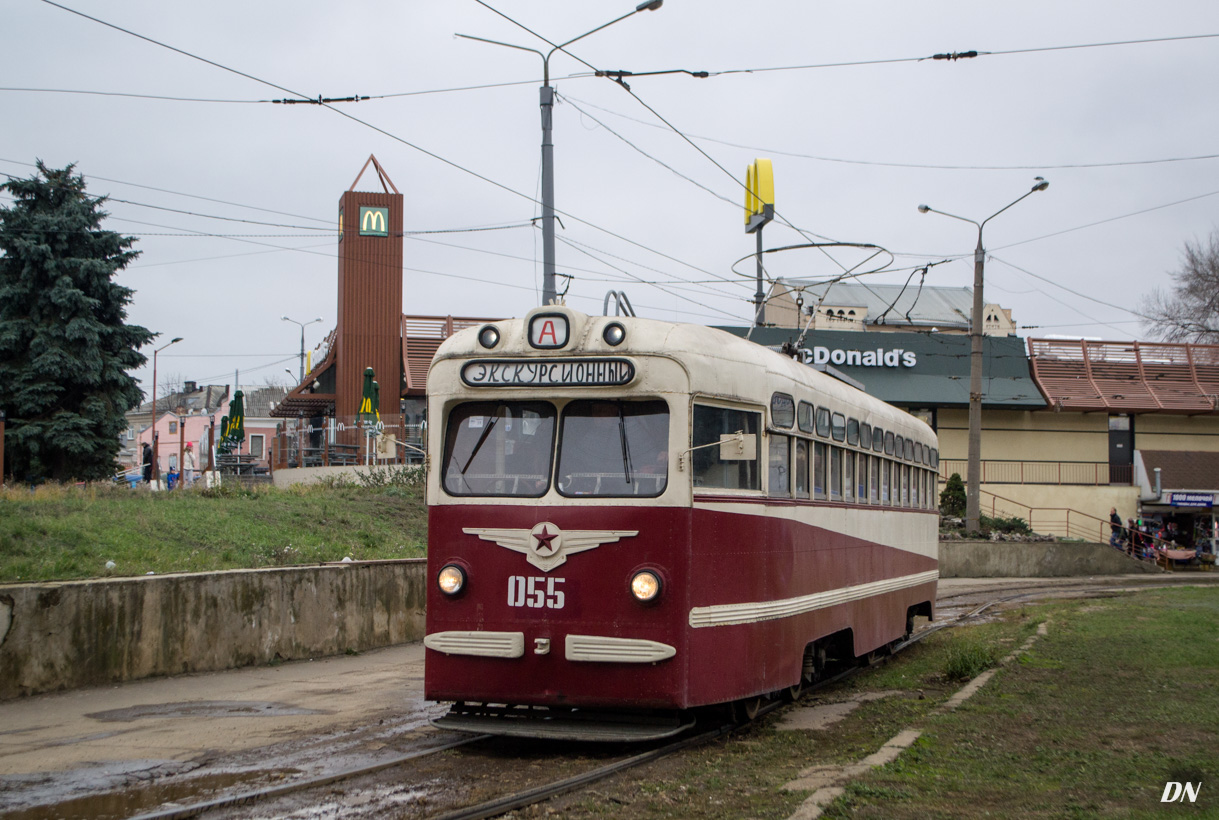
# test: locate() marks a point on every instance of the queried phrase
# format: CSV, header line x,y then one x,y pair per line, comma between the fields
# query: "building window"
x,y
173,427
257,445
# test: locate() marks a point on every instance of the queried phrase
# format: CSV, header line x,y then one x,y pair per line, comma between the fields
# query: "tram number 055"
x,y
536,593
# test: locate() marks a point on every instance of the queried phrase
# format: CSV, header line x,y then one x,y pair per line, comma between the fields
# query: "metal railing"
x,y
1085,473
344,441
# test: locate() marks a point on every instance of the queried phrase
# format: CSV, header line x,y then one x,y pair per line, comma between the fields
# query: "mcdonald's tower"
x,y
369,328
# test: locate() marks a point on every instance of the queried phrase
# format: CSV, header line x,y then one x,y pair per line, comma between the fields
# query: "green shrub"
x,y
1014,524
952,499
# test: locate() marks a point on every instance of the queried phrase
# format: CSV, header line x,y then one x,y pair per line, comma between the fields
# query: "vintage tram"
x,y
629,518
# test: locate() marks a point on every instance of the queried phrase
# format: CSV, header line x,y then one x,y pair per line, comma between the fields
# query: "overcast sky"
x,y
860,133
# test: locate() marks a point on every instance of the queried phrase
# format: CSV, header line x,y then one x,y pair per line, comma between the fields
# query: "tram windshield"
x,y
614,448
499,449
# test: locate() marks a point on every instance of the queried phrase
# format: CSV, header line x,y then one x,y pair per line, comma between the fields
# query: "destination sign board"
x,y
548,372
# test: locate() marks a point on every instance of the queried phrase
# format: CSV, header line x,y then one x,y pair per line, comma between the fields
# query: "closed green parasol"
x,y
368,412
236,431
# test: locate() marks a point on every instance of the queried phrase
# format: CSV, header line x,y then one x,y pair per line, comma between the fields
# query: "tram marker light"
x,y
488,337
451,580
614,334
645,586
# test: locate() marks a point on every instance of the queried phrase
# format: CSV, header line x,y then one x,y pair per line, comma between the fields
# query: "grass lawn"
x,y
1120,697
66,532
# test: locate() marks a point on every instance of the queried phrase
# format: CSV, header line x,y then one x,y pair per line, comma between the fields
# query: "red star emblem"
x,y
544,538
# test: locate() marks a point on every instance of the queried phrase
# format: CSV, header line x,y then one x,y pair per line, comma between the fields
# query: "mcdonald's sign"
x,y
759,195
374,221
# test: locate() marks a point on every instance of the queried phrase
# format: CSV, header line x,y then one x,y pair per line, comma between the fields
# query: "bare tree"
x,y
1190,312
168,384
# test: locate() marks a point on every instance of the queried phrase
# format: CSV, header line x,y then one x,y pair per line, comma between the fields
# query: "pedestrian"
x,y
188,465
1115,525
147,463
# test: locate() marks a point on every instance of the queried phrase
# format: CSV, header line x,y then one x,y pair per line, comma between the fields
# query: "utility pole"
x,y
546,99
973,480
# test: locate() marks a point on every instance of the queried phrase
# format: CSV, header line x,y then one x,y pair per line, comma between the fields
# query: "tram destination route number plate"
x,y
598,372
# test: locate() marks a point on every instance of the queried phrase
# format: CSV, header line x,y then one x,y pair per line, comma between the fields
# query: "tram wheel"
x,y
792,693
751,707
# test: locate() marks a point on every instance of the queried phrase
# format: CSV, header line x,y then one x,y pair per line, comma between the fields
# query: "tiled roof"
x,y
259,402
1184,470
1129,377
931,306
204,400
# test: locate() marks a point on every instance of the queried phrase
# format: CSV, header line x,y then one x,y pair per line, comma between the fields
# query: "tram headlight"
x,y
645,586
614,334
451,580
488,337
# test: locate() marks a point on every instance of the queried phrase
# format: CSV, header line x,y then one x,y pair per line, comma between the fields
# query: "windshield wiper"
x,y
626,451
499,411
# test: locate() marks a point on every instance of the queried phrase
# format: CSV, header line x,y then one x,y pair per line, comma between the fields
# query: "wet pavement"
x,y
115,751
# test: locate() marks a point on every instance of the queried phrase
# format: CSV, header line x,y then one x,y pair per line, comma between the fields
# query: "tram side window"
x,y
878,440
499,449
848,475
861,480
779,467
614,449
710,423
804,417
838,427
865,436
884,481
888,444
874,480
823,422
801,469
835,474
916,476
896,485
905,485
819,470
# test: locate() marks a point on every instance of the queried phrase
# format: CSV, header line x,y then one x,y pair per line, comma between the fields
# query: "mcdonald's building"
x,y
1070,428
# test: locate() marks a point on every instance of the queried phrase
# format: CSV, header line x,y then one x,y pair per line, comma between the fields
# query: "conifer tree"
x,y
65,347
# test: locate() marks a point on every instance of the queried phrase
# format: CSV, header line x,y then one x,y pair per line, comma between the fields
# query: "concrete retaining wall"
x,y
66,635
1009,559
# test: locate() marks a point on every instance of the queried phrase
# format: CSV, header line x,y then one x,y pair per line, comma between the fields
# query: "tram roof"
x,y
715,359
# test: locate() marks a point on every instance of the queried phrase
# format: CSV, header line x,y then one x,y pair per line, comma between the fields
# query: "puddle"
x,y
204,708
135,798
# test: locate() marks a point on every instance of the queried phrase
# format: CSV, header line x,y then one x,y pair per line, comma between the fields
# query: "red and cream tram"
x,y
635,517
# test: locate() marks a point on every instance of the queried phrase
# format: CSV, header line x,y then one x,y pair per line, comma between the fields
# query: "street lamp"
x,y
973,506
156,468
303,325
549,292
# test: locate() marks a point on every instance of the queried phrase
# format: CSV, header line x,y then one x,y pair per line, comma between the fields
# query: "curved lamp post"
x,y
303,325
973,481
156,467
547,104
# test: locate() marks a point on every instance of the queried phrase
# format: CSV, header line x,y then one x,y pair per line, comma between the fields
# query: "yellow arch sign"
x,y
759,194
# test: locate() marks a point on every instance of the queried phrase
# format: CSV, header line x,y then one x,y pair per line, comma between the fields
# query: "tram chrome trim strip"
x,y
747,613
601,649
479,644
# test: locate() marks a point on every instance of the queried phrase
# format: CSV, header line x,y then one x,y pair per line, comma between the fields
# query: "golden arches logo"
x,y
759,194
374,221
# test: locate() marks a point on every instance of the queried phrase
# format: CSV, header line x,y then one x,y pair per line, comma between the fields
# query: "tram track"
x,y
538,793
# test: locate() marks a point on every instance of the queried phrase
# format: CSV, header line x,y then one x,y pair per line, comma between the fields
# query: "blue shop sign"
x,y
1192,500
